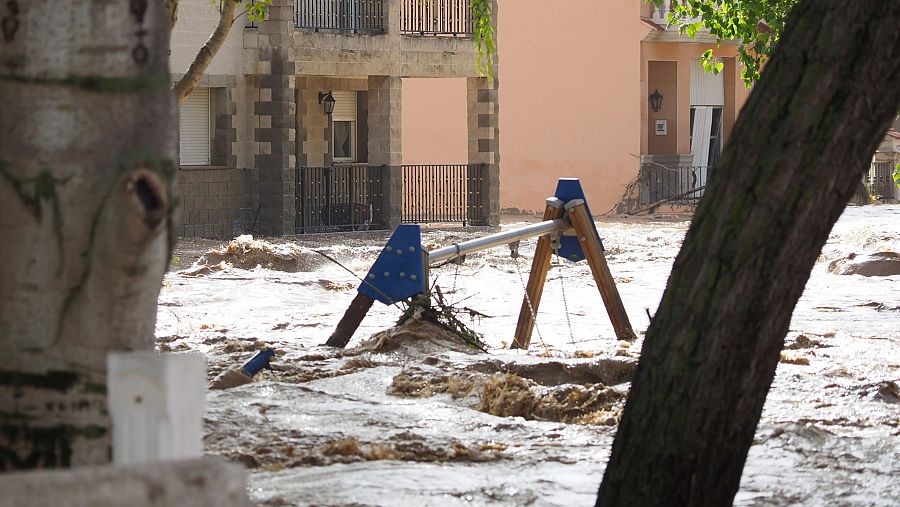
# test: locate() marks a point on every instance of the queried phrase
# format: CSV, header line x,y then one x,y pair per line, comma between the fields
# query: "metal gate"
x,y
339,198
681,184
443,194
879,181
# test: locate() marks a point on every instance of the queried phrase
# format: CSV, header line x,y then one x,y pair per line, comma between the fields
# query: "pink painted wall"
x,y
573,100
569,98
434,121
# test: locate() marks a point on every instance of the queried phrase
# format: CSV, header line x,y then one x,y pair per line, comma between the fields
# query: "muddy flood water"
x,y
413,417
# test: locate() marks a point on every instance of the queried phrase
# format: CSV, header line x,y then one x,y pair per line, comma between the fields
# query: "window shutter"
x,y
344,106
707,89
194,128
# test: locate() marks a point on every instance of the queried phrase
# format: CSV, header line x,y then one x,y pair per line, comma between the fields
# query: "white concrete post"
x,y
156,405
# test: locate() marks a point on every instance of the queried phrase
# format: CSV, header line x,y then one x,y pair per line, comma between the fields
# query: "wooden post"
x,y
156,405
351,320
540,265
593,251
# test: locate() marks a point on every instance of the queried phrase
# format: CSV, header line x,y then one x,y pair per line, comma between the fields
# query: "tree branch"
x,y
189,81
171,7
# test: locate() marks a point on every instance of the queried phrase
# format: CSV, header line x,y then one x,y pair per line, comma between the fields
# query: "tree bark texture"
x,y
86,197
795,157
171,15
204,57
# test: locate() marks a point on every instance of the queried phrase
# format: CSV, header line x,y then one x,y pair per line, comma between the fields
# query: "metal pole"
x,y
500,238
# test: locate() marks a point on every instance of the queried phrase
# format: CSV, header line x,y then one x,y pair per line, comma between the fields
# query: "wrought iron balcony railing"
x,y
352,16
436,17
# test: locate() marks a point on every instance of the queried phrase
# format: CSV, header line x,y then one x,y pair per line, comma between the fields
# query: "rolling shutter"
x,y
707,89
194,128
344,105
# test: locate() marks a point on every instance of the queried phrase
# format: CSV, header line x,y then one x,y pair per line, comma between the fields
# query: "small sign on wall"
x,y
661,127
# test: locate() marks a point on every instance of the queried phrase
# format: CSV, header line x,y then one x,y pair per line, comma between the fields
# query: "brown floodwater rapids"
x,y
412,417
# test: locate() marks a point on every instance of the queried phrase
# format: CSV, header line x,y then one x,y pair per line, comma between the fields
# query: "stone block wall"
x,y
384,144
482,97
217,202
276,133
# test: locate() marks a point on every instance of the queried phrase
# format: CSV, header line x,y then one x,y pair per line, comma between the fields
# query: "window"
x,y
706,123
195,129
707,102
343,126
344,140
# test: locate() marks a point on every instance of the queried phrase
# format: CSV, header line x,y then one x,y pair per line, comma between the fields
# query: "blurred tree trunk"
x,y
86,199
794,159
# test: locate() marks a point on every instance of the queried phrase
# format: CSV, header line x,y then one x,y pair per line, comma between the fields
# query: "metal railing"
x,y
361,16
659,13
679,184
436,17
878,180
339,198
443,194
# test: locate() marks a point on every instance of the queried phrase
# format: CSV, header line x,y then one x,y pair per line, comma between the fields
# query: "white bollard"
x,y
156,405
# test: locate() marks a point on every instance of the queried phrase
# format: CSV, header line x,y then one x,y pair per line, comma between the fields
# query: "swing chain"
x,y
562,287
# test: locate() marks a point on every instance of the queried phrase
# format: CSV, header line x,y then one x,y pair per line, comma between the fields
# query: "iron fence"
x,y
339,198
436,17
878,180
443,194
363,16
678,184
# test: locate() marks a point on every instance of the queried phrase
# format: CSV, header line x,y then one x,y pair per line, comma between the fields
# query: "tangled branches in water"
x,y
445,315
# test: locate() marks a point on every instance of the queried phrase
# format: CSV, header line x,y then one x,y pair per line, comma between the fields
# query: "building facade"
x,y
261,152
578,101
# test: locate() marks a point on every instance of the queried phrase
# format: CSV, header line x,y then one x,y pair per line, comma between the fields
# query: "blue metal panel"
x,y
259,361
566,190
399,271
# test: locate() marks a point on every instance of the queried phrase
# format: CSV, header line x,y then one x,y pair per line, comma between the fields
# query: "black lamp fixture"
x,y
329,102
656,101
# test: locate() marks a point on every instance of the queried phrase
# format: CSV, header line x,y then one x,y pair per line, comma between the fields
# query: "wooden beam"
x,y
540,265
593,251
351,320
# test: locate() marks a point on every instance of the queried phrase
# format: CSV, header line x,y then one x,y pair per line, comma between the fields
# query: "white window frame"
x,y
352,157
348,114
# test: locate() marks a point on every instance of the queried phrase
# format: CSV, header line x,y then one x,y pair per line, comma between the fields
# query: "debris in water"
x,y
415,336
244,252
792,358
444,315
874,264
804,342
508,395
886,390
235,377
203,269
415,382
607,371
403,449
335,286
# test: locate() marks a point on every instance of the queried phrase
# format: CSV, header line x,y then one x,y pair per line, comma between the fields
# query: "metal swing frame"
x,y
401,270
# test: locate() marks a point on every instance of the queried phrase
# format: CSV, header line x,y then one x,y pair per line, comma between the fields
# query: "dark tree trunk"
x,y
795,157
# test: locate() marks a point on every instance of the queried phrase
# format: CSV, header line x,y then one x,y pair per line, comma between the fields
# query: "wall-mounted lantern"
x,y
656,101
329,102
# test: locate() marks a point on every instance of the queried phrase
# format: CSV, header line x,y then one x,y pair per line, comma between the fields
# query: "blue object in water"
x,y
399,271
568,189
259,361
